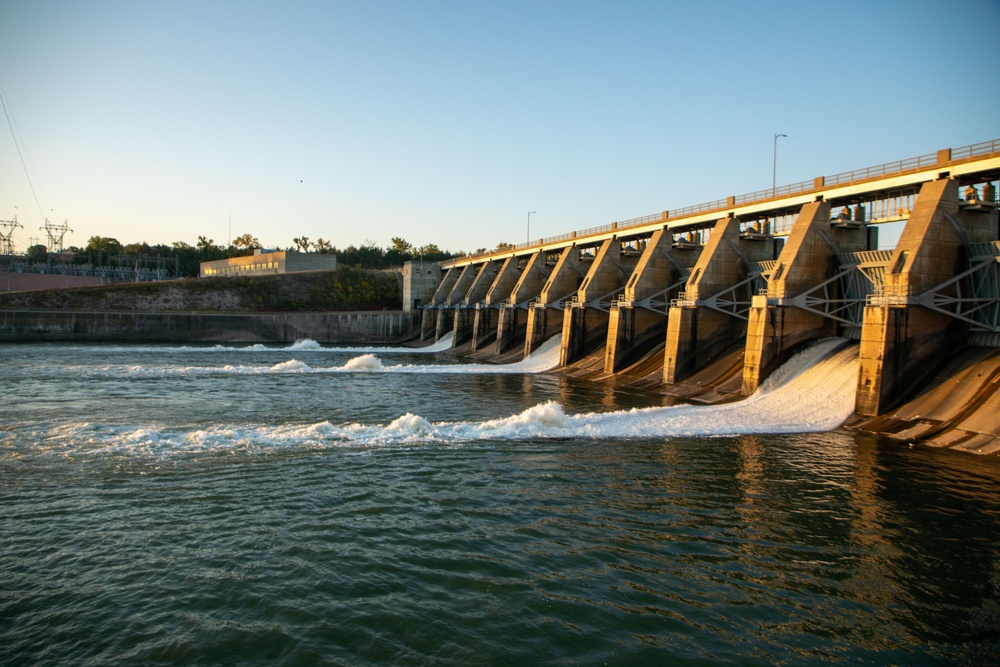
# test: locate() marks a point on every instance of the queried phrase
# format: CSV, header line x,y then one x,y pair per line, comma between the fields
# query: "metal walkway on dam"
x,y
716,296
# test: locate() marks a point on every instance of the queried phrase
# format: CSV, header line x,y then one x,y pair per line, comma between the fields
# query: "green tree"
x,y
302,243
247,241
402,246
399,252
37,254
104,244
137,249
428,250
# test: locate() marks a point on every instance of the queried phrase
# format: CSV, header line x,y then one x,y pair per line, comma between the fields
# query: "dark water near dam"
x,y
310,506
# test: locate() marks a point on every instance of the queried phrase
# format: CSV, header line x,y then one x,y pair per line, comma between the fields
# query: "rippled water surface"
x,y
165,505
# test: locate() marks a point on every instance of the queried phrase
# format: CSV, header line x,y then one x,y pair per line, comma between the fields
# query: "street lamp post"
x,y
774,163
528,239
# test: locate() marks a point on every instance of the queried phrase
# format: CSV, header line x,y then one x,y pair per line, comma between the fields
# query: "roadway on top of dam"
x,y
979,161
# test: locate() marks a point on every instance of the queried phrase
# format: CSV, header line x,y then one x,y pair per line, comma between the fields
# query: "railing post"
x,y
819,182
944,156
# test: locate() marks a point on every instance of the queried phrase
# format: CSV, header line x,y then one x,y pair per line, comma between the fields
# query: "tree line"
x,y
186,259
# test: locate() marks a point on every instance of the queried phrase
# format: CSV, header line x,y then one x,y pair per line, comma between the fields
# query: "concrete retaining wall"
x,y
374,327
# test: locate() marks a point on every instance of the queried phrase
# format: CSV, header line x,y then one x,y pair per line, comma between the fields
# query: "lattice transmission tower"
x,y
56,233
7,228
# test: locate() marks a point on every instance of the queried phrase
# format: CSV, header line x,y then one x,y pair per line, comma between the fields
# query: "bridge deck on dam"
x,y
888,189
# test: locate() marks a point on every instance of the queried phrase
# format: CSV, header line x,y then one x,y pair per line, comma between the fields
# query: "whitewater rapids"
x,y
812,392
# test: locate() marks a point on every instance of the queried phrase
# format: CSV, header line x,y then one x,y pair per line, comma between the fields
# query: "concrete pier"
x,y
810,257
446,317
545,312
431,312
637,322
512,318
586,316
709,317
903,338
484,327
465,309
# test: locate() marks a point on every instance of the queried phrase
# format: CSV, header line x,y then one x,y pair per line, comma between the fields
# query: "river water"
x,y
306,505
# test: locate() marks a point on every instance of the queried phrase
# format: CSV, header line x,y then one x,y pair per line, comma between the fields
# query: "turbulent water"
x,y
312,505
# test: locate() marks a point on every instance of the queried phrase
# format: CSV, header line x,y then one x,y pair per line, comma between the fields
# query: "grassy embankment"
x,y
342,290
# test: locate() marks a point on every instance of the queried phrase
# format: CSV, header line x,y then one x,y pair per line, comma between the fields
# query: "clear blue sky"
x,y
446,122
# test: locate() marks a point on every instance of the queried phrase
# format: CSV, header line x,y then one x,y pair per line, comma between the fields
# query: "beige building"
x,y
266,263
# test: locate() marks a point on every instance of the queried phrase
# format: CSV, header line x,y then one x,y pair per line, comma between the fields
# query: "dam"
x,y
703,303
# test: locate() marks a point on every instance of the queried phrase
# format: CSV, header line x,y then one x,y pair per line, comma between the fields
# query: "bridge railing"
x,y
880,171
899,167
981,149
774,193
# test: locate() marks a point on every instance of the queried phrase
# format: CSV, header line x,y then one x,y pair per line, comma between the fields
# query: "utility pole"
x,y
774,162
6,240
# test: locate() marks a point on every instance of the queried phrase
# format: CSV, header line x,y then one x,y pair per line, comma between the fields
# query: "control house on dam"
x,y
702,303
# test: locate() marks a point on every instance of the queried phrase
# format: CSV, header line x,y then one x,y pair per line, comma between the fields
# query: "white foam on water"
x,y
291,366
304,344
439,346
543,359
366,362
301,345
546,357
812,392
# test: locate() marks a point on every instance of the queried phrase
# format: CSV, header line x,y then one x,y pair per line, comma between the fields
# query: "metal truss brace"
x,y
825,301
656,302
980,308
726,300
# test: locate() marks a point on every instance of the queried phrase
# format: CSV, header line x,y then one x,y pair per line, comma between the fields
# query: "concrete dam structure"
x,y
703,303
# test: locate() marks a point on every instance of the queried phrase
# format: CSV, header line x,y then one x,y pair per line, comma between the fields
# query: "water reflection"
x,y
896,548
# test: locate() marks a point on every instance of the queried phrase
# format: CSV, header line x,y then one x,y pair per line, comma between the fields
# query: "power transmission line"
x,y
17,144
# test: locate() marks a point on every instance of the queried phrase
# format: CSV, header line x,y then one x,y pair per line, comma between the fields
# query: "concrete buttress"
x,y
700,330
484,328
428,324
511,319
585,318
902,342
811,256
638,322
445,318
465,309
545,313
